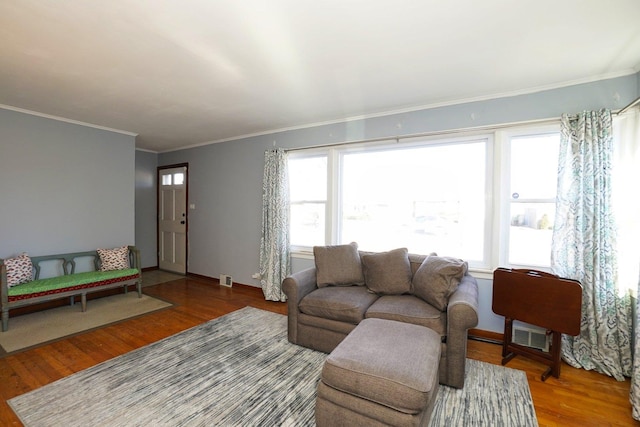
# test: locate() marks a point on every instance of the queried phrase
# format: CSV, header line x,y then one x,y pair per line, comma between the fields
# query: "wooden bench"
x,y
66,281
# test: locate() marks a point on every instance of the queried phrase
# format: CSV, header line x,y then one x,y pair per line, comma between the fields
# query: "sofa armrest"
x,y
462,314
295,287
463,303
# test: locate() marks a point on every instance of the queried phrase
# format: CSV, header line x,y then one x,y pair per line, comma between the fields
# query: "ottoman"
x,y
383,373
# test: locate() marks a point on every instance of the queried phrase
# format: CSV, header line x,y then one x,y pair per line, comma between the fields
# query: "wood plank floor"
x,y
577,398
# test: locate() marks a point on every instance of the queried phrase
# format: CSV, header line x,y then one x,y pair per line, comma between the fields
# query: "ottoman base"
x,y
336,408
383,373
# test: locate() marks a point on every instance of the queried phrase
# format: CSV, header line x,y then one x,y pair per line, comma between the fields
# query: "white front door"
x,y
172,219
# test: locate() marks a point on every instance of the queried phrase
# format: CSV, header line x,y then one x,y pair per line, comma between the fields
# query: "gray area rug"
x,y
240,370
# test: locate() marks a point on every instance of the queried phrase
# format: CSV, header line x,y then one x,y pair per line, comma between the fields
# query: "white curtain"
x,y
626,178
274,243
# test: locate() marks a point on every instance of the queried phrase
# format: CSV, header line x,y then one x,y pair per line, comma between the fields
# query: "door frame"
x,y
158,186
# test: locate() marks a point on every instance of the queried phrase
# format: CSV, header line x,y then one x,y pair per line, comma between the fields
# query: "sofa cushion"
x,y
19,270
72,282
338,265
114,259
437,278
408,309
344,303
387,273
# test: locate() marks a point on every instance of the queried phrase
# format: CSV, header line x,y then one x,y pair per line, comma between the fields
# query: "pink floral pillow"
x,y
114,259
19,270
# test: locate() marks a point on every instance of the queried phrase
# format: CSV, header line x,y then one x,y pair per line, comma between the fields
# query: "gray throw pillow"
x,y
338,265
437,278
387,273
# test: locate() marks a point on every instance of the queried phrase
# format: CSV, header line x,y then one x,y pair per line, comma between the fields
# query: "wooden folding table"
x,y
540,299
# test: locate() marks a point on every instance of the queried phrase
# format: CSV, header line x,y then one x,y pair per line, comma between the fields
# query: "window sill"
x,y
299,254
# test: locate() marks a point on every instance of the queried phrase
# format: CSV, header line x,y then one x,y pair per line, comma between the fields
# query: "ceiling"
x,y
183,73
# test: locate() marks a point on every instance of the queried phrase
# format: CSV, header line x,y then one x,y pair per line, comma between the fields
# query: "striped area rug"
x,y
240,370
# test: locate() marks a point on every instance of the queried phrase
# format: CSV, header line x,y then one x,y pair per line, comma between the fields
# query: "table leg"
x,y
506,339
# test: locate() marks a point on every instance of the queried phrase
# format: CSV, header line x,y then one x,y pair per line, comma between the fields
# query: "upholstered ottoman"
x,y
383,373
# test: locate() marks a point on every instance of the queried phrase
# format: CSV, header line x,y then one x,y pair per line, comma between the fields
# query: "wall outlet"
x,y
226,280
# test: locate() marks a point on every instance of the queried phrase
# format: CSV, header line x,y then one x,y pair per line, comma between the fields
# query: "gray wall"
x,y
226,178
146,214
63,187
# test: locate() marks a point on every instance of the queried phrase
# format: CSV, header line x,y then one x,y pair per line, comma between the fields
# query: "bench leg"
x,y
5,320
139,288
83,299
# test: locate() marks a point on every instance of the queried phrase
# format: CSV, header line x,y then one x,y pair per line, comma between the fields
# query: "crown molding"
x,y
65,120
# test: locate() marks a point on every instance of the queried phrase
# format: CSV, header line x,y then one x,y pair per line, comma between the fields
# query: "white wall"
x,y
64,187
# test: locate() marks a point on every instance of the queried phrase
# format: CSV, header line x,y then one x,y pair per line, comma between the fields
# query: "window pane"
x,y
533,181
308,178
428,198
166,179
307,224
178,178
534,163
530,233
308,198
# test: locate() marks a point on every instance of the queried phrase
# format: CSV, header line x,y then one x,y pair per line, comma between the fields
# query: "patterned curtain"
x,y
274,243
583,246
626,174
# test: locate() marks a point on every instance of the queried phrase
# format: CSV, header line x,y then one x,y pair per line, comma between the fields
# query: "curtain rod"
x,y
451,131
630,105
429,134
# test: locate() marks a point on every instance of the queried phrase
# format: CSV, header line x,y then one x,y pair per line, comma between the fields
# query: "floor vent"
x,y
534,338
226,280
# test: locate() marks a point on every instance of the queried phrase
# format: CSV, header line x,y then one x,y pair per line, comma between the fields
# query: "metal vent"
x,y
226,280
531,338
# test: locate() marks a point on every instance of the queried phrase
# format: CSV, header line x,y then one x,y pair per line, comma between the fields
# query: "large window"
x,y
489,199
426,197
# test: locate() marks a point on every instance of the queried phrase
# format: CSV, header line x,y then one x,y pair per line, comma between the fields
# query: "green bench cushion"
x,y
43,286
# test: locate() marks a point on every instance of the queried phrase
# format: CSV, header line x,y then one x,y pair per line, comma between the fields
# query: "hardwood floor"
x,y
577,398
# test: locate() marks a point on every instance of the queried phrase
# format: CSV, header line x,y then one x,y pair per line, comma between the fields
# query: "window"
x,y
172,178
444,195
412,197
308,199
533,171
178,178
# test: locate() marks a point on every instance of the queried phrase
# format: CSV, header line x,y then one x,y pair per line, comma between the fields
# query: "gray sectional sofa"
x,y
328,301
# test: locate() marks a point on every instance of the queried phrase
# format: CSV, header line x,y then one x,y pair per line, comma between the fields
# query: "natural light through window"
x,y
178,178
534,164
308,198
426,198
487,198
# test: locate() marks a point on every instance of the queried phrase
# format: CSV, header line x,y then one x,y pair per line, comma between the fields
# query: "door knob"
x,y
181,222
